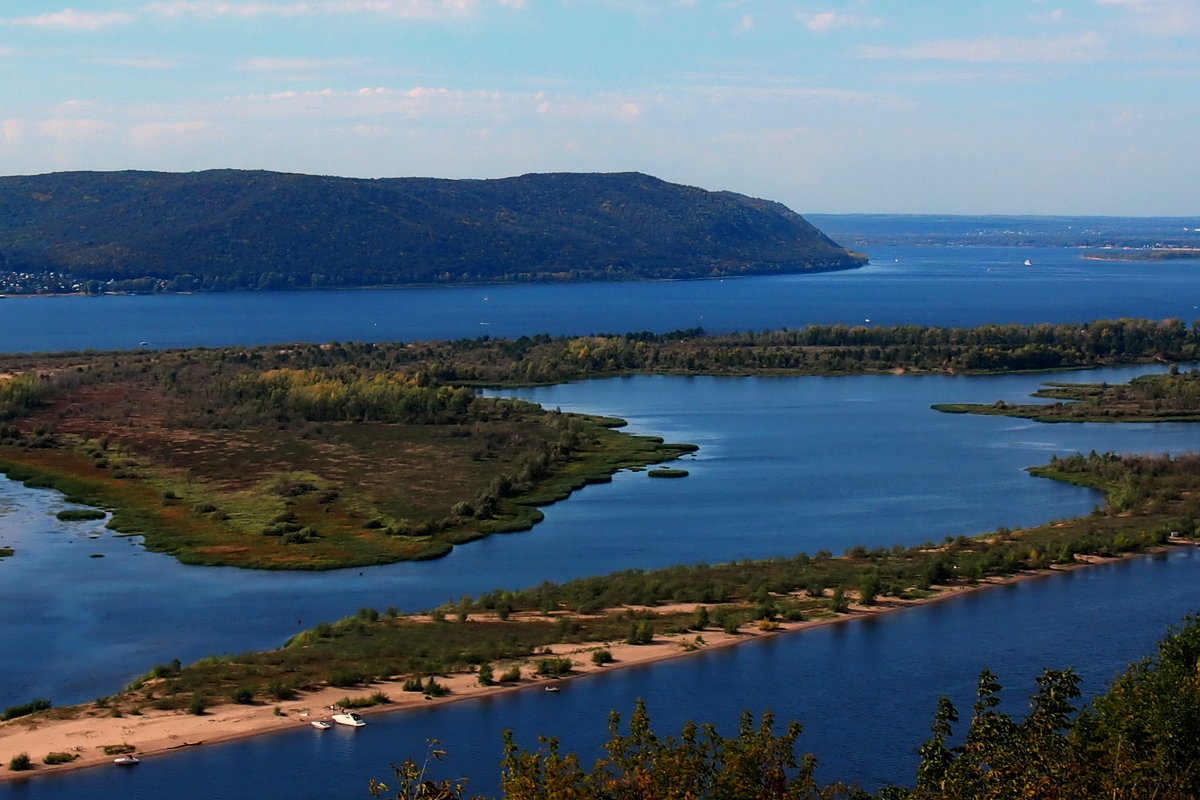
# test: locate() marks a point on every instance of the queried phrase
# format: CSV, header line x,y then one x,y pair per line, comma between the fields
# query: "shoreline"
x,y
155,733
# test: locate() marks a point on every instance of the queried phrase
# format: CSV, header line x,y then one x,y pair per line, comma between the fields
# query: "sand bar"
x,y
155,732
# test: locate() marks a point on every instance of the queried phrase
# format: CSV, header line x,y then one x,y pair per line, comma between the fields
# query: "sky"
x,y
898,106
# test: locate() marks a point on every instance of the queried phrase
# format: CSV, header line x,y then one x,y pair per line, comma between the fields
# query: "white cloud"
x,y
1057,15
1085,47
1162,17
296,64
398,9
72,131
138,63
154,134
745,24
822,21
70,19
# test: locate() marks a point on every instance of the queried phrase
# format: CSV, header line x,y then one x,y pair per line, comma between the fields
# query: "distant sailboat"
x,y
1028,263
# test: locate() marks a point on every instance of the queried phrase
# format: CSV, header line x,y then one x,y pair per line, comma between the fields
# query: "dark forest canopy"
x,y
234,229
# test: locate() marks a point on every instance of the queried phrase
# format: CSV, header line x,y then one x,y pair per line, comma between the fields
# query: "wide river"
x,y
786,464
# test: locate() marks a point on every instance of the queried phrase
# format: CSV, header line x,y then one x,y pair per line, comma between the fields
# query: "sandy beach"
x,y
154,732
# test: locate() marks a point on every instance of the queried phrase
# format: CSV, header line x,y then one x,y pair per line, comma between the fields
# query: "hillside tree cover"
x,y
232,229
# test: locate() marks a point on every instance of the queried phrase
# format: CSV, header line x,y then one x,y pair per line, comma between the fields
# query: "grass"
x,y
370,646
162,507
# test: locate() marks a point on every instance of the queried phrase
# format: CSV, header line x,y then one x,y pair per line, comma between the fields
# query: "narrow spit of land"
x,y
93,736
505,640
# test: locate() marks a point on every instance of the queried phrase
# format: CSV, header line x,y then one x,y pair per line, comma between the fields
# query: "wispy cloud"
x,y
138,63
822,21
296,64
1162,17
1085,47
70,19
398,9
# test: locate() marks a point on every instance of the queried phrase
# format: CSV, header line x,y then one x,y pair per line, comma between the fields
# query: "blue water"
x,y
934,286
865,691
785,464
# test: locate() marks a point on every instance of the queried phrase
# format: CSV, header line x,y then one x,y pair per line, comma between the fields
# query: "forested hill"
x,y
233,229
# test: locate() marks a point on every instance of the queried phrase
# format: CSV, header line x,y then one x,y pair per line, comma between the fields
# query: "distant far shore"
x,y
1148,254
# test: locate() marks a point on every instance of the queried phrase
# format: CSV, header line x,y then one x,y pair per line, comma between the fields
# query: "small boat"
x,y
127,761
551,688
321,724
351,719
1028,263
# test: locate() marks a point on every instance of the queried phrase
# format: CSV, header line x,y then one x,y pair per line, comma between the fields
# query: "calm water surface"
x,y
933,286
786,464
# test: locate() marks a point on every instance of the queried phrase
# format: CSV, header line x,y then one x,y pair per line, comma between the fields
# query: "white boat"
x,y
127,761
351,719
321,724
1028,263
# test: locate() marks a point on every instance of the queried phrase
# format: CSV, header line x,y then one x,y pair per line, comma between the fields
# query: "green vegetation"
x,y
59,758
1139,740
20,762
12,712
1146,254
80,514
6,551
667,472
305,457
1150,499
174,232
1172,397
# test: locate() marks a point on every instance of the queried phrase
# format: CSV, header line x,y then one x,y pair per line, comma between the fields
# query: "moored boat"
x,y
321,724
127,760
351,719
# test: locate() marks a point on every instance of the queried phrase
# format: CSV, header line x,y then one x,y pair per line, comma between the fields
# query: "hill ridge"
x,y
258,229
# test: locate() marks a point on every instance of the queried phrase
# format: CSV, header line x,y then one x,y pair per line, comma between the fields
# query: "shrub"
x,y
412,684
278,690
117,749
601,656
198,704
486,675
347,677
511,675
12,712
20,763
553,667
59,758
434,689
243,695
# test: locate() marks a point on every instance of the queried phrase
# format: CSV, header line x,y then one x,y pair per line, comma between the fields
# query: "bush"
x,y
243,695
602,656
59,758
278,690
553,667
198,704
511,675
486,675
434,689
20,763
413,684
12,712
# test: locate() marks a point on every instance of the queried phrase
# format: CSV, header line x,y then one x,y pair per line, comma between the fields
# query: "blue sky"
x,y
907,106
